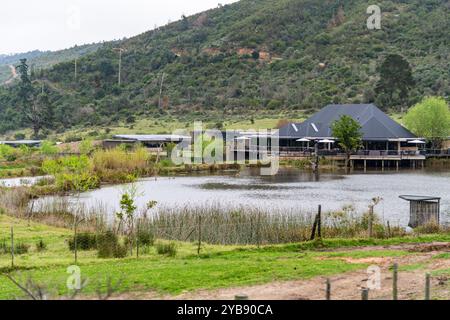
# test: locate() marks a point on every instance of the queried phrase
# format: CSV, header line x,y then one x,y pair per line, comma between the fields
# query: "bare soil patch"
x,y
345,286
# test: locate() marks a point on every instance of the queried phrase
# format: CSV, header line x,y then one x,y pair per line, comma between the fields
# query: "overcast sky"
x,y
58,24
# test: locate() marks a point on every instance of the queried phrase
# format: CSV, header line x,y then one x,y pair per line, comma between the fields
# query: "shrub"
x,y
41,246
145,235
19,136
109,247
164,248
72,173
73,138
48,149
19,248
86,146
9,153
85,241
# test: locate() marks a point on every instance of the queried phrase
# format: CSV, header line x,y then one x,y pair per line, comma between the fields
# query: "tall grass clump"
x,y
19,248
166,248
119,165
14,201
41,245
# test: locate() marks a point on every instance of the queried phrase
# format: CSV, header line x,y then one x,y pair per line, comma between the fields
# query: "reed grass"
x,y
118,165
257,226
209,223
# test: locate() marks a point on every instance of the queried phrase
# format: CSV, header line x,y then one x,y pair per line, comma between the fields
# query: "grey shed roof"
x,y
21,142
376,125
152,137
419,198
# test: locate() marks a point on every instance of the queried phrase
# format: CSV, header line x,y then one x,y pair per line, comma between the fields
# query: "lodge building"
x,y
384,141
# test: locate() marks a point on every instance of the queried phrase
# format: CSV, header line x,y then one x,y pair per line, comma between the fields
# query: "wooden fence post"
x,y
319,222
389,229
317,225
12,247
75,241
370,222
313,231
427,287
395,282
258,230
137,238
199,234
328,289
365,294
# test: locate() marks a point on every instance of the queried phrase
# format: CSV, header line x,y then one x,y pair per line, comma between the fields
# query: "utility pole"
x,y
160,90
121,50
76,67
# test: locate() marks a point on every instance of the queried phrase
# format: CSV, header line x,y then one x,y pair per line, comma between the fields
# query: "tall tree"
x,y
396,80
26,90
348,132
35,108
430,119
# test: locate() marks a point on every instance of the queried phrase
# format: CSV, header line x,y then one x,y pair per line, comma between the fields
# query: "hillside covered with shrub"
x,y
248,59
43,59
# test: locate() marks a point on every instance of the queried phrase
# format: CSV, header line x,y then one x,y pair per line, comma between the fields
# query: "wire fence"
x,y
134,236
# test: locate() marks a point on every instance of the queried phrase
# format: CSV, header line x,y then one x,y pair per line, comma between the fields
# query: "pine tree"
x,y
396,80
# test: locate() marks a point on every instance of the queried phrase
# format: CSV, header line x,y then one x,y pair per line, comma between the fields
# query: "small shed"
x,y
423,210
18,143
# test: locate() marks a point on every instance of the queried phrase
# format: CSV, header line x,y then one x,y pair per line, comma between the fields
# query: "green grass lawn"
x,y
216,267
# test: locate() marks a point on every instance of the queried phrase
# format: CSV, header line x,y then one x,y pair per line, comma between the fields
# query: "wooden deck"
x,y
388,157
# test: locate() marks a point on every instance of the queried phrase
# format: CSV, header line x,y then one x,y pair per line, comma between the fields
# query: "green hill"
x,y
250,59
43,59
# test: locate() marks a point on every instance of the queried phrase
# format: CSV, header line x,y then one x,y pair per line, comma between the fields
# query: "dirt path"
x,y
14,75
345,286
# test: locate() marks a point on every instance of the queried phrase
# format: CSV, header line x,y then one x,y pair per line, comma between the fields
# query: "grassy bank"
x,y
215,267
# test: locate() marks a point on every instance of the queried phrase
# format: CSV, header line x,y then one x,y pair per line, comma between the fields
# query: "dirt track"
x,y
14,75
345,286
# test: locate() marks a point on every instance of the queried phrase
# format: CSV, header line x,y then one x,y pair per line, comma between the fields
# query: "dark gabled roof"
x,y
375,124
290,131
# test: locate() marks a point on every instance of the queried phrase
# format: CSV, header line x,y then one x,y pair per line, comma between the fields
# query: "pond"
x,y
21,182
292,189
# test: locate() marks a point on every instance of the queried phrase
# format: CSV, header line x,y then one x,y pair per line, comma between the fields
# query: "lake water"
x,y
290,190
19,182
